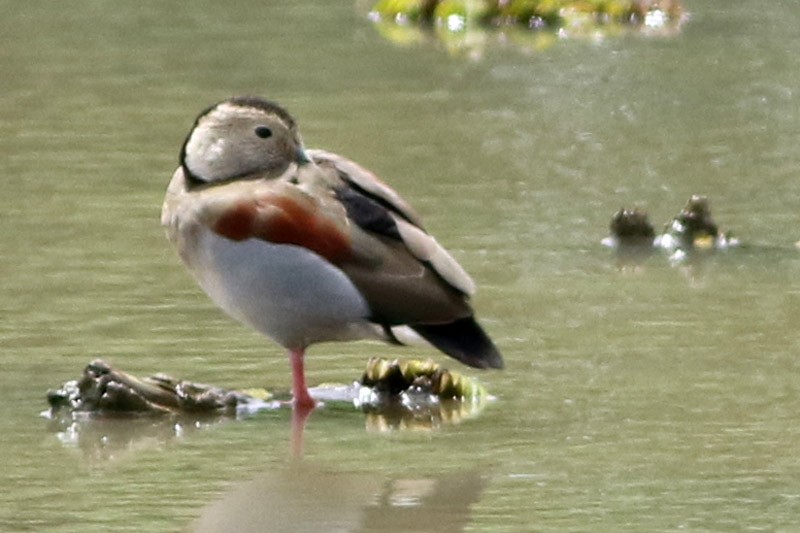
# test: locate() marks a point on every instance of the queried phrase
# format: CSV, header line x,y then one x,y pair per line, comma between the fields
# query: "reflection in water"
x,y
415,416
304,498
427,504
691,263
103,436
103,439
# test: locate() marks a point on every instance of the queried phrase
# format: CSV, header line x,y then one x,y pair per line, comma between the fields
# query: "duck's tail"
x,y
463,339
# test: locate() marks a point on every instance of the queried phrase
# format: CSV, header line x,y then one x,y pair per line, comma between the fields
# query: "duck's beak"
x,y
301,156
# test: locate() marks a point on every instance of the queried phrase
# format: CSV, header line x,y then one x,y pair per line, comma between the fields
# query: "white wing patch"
x,y
425,248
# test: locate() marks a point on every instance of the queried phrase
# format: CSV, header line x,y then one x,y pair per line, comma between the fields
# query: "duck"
x,y
306,246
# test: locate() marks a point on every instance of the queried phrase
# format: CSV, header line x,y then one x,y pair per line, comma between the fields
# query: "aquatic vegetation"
x,y
529,13
472,23
397,376
413,394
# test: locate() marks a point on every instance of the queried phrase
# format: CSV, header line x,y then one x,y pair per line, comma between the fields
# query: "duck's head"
x,y
243,137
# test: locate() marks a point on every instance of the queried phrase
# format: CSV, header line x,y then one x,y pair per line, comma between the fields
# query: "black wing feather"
x,y
367,213
464,340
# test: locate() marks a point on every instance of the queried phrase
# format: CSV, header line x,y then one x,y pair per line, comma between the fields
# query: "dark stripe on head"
x,y
257,102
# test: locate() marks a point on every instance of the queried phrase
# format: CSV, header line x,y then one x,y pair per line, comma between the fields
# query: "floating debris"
x,y
106,391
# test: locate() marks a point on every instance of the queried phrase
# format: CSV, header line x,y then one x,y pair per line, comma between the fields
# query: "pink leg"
x,y
302,398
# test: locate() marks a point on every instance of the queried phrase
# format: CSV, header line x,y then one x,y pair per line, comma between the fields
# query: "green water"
x,y
652,400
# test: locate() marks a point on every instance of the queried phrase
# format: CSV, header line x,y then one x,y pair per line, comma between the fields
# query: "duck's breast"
x,y
284,291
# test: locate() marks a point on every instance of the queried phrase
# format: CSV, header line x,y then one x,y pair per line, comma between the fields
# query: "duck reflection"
x,y
304,498
442,504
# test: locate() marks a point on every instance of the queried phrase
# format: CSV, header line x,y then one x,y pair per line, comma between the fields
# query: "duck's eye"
x,y
263,132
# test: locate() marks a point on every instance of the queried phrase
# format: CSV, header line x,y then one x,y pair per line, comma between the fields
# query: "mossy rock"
x,y
394,377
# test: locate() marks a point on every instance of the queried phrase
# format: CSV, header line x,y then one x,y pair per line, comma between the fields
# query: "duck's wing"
x,y
367,184
376,207
405,275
